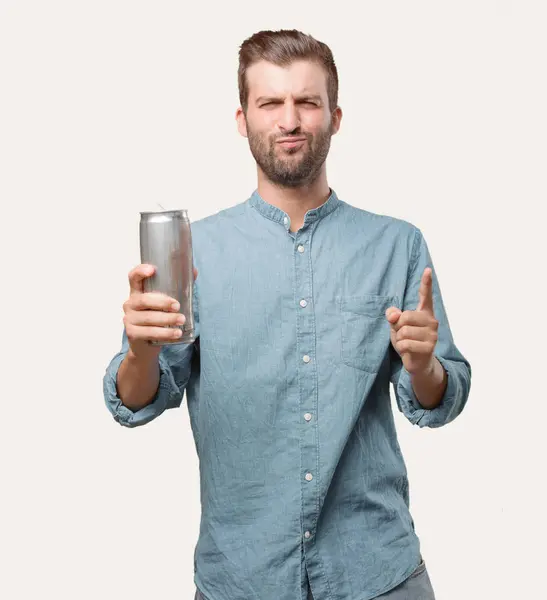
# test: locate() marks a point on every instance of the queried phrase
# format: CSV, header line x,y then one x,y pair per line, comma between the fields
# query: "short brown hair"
x,y
282,48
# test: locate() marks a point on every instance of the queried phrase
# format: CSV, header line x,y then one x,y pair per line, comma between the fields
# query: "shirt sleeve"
x,y
175,362
457,367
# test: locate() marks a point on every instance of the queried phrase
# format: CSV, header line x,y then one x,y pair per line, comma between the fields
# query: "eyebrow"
x,y
313,97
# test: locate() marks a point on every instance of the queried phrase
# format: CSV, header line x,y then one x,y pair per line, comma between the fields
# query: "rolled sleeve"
x,y
451,404
168,395
457,367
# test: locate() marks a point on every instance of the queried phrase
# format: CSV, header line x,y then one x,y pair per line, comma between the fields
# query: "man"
x,y
306,308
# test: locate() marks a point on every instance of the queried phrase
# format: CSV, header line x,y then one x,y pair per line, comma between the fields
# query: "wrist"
x,y
430,368
145,354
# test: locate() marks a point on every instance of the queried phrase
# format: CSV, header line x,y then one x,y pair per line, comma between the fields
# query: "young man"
x,y
306,308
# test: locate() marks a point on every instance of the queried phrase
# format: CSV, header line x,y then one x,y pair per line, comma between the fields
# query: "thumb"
x,y
393,314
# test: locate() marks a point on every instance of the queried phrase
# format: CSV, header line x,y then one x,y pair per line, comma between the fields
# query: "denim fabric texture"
x,y
416,587
288,393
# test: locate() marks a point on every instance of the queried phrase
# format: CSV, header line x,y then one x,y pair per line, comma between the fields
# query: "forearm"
x,y
430,386
138,379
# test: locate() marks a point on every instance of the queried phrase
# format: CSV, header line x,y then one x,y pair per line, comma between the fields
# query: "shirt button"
x,y
306,358
309,476
300,248
307,416
303,303
307,535
286,220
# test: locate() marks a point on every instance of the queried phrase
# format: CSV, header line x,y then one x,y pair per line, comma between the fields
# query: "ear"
x,y
241,122
336,119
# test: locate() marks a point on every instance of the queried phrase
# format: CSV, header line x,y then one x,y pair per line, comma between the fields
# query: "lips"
x,y
291,142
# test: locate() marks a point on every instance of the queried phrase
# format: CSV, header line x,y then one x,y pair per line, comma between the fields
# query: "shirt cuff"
x,y
443,413
168,395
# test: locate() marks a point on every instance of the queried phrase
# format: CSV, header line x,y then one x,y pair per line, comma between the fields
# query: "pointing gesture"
x,y
414,332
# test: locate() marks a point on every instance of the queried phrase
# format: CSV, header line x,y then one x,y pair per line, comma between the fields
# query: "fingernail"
x,y
175,306
181,320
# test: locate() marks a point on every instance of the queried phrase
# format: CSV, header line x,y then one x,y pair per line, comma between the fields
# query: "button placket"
x,y
307,374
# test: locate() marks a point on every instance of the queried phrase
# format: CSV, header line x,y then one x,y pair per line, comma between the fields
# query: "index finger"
x,y
137,277
425,292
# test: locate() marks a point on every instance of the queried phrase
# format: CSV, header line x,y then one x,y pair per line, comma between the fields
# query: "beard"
x,y
290,167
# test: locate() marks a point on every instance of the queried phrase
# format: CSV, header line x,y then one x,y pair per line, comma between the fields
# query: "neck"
x,y
295,201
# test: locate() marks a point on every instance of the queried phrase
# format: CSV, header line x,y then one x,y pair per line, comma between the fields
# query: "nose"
x,y
289,120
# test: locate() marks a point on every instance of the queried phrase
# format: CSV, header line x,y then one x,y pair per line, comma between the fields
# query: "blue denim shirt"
x,y
288,393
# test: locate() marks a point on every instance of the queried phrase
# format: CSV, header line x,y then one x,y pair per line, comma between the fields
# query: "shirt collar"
x,y
280,216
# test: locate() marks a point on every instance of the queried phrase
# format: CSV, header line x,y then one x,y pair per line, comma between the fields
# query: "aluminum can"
x,y
166,243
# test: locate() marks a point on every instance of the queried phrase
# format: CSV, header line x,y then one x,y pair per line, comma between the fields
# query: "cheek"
x,y
255,132
315,123
264,121
263,130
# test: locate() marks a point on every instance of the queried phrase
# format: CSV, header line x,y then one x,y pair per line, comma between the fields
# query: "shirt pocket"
x,y
365,331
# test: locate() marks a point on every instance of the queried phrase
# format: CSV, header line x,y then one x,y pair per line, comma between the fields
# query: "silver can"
x,y
166,243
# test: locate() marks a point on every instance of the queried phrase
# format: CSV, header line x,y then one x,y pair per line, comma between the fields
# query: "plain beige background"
x,y
108,107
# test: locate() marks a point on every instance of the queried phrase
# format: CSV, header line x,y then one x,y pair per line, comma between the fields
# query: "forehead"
x,y
300,77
